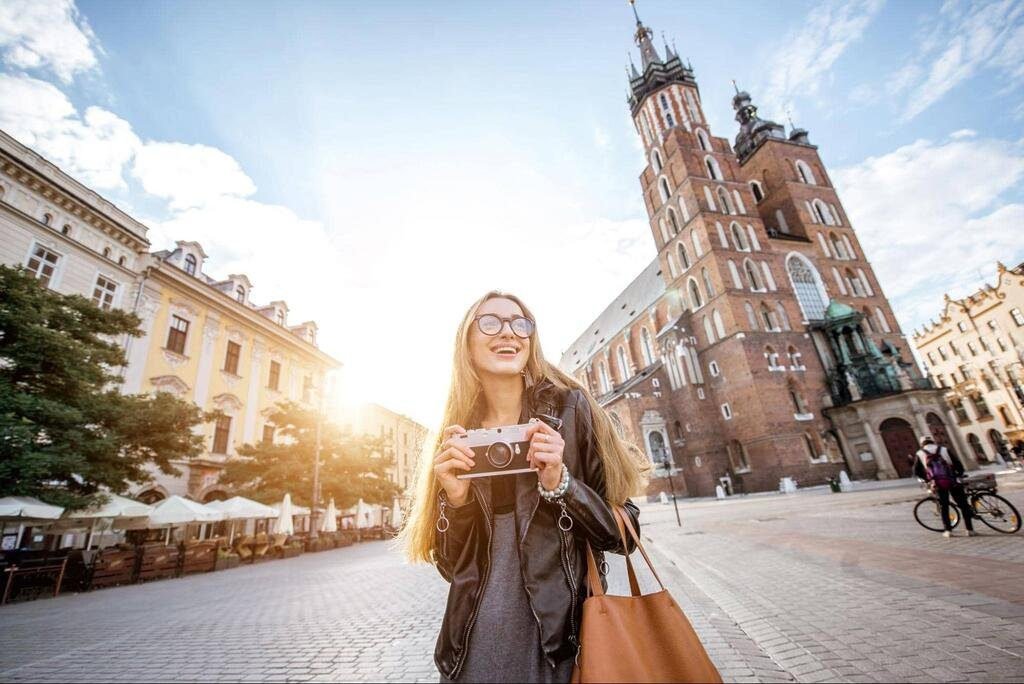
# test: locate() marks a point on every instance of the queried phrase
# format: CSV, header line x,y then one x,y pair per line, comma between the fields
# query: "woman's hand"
x,y
545,453
451,459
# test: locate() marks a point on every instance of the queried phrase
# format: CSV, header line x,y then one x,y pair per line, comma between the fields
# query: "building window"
x,y
121,261
274,381
231,358
177,334
1008,420
822,213
684,257
714,172
240,294
623,365
725,202
43,264
709,331
103,293
755,187
714,369
707,282
980,406
307,389
268,434
796,361
962,326
47,219
973,348
695,298
856,286
190,264
751,316
798,401
770,324
739,237
1001,344
645,345
838,246
737,456
106,252
754,279
673,220
703,140
959,410
807,289
220,435
663,188
773,358
1018,317
805,173
727,411
606,385
953,348
66,230
656,161
809,445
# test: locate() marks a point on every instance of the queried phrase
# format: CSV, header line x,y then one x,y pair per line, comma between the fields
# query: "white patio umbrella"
x,y
177,510
330,521
27,508
363,513
118,511
396,514
241,508
285,524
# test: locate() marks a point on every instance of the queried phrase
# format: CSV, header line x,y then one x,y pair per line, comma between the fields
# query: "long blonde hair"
x,y
624,465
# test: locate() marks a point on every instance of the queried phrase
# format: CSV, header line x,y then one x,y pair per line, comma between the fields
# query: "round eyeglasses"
x,y
491,324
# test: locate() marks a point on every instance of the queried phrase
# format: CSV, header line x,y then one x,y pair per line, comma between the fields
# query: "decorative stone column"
x,y
210,330
886,471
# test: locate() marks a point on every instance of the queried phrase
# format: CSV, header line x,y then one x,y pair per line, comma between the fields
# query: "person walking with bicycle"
x,y
942,470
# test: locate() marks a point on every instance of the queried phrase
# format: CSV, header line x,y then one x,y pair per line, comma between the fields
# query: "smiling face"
x,y
501,354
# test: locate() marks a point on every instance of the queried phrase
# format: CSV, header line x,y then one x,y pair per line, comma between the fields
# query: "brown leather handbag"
x,y
637,638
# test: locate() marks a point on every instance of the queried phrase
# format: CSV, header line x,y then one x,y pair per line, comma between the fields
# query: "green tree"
x,y
349,471
65,429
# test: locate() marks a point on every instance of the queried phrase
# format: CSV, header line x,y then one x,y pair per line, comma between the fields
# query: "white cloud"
x,y
93,148
963,133
189,176
804,58
931,216
47,34
961,40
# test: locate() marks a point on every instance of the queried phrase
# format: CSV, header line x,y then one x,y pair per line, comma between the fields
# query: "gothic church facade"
x,y
758,344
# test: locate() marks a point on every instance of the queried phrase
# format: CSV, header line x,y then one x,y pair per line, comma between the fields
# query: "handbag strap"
x,y
621,513
593,576
634,585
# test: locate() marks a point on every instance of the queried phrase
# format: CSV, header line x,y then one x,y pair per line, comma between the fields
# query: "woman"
x,y
514,607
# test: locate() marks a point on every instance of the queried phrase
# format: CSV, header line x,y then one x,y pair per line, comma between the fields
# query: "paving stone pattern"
x,y
809,587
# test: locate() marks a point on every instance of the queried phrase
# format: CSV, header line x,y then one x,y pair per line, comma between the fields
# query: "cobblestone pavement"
x,y
847,587
808,587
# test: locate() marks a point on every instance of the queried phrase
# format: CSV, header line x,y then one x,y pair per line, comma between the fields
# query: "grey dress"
x,y
504,645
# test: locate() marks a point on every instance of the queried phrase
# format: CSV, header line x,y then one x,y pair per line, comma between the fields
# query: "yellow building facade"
x,y
403,440
975,351
206,341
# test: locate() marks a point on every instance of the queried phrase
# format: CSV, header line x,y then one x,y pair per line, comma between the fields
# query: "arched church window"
x,y
708,330
719,324
714,171
838,246
646,346
855,285
656,161
703,141
695,299
684,258
751,316
805,172
754,279
822,212
673,220
807,286
739,237
758,191
708,287
725,202
666,111
240,294
623,364
783,317
663,188
768,316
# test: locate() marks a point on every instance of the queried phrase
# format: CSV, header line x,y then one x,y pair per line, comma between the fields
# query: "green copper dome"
x,y
837,310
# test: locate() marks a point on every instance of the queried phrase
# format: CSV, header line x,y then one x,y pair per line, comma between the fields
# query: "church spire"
x,y
644,40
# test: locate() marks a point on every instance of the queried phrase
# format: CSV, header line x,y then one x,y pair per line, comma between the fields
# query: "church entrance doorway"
x,y
901,444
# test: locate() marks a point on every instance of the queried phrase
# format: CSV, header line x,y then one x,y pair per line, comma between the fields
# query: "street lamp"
x,y
666,463
313,531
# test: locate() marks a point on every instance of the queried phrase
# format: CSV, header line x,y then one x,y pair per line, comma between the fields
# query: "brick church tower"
x,y
758,343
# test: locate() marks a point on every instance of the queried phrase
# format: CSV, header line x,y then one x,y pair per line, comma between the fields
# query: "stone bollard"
x,y
719,492
845,485
663,497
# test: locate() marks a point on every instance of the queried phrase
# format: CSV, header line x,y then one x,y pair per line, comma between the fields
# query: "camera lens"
x,y
499,454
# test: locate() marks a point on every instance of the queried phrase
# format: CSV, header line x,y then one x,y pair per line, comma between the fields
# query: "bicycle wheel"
x,y
996,512
929,515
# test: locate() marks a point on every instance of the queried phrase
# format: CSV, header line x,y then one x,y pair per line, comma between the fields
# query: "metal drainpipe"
x,y
135,309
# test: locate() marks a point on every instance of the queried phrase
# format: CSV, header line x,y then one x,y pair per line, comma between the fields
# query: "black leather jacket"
x,y
553,562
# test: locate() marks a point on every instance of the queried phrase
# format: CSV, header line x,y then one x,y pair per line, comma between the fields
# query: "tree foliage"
x,y
349,470
66,431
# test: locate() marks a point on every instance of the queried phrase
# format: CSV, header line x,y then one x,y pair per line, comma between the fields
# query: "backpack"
x,y
939,471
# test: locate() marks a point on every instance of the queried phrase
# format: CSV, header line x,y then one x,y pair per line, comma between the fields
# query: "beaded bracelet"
x,y
559,491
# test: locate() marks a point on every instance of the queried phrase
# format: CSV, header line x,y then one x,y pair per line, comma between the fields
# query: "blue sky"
x,y
380,164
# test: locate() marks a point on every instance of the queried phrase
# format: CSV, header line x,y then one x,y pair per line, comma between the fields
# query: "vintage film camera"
x,y
497,451
501,450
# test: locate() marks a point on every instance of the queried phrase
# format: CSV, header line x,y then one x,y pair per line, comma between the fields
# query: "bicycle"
x,y
988,507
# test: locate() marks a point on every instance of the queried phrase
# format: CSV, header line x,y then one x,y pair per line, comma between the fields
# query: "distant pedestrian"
x,y
942,470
